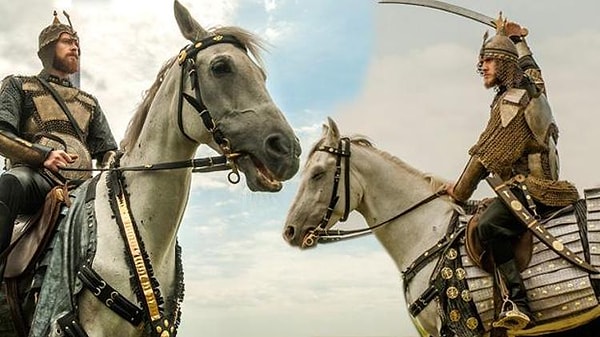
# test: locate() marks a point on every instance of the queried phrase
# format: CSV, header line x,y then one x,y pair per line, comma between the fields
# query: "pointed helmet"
x,y
499,46
52,32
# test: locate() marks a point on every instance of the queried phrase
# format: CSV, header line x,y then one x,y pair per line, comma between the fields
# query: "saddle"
x,y
522,245
32,233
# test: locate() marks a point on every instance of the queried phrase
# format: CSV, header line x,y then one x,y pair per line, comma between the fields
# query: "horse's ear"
x,y
188,26
333,133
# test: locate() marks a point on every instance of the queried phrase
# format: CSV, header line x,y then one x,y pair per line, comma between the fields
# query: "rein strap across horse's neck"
x,y
323,235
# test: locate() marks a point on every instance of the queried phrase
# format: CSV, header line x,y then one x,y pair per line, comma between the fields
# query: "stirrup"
x,y
513,319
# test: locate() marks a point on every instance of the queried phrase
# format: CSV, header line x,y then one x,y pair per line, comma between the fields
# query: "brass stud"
x,y
452,293
446,273
516,205
455,315
460,273
466,295
451,254
472,323
558,246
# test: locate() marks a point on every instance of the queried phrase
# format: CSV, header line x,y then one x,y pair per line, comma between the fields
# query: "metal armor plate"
x,y
538,115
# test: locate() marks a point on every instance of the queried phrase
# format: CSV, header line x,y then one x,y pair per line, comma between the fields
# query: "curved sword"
x,y
446,7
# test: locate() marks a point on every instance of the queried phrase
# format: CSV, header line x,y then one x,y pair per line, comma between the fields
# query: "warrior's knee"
x,y
11,189
12,192
486,231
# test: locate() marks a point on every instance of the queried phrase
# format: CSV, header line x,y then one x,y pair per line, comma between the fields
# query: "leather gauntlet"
x,y
19,150
473,173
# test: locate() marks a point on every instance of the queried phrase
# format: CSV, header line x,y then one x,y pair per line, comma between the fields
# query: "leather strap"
x,y
423,301
109,296
525,218
70,326
64,107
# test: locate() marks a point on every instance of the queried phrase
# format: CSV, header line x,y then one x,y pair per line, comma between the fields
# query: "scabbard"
x,y
502,189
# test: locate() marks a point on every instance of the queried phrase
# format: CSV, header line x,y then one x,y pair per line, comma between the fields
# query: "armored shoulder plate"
x,y
511,103
539,117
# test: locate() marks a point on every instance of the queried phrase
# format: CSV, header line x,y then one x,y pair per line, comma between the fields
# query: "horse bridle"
x,y
209,164
186,60
321,234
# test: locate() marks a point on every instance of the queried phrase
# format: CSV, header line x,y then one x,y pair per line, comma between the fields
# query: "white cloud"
x,y
285,289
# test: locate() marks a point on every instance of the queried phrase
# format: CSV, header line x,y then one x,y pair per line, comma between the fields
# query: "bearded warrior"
x,y
47,124
518,145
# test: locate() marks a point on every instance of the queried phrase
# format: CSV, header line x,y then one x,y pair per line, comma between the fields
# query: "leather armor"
x,y
28,110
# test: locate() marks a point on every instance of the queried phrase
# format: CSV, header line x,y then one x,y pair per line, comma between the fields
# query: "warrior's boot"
x,y
515,314
6,228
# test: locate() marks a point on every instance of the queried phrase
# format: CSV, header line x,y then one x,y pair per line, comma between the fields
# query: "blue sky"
x,y
403,76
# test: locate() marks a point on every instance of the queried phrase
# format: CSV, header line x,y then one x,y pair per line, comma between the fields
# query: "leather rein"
x,y
323,235
186,60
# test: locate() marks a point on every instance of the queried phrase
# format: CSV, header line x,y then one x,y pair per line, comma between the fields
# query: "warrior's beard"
x,y
493,82
69,65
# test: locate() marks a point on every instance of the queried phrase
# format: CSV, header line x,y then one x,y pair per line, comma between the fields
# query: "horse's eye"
x,y
220,67
317,176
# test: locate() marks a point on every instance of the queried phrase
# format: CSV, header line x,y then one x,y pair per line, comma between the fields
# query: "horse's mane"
x,y
435,182
252,42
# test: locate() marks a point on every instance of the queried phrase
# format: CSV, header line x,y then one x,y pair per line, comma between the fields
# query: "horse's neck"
x,y
389,188
158,198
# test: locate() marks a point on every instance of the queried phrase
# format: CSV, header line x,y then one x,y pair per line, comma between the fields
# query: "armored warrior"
x,y
47,124
519,146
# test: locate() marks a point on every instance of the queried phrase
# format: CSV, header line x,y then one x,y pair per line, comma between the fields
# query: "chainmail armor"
x,y
499,147
504,151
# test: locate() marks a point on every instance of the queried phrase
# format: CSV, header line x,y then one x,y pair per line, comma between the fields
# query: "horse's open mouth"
x,y
258,176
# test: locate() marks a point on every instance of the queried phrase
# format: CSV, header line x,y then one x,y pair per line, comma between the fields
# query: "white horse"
x,y
410,215
213,93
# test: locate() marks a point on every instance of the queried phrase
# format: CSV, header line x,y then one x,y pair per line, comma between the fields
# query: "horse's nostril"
x,y
277,145
289,232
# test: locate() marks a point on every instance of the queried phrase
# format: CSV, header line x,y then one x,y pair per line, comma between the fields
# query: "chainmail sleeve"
x,y
100,138
11,104
12,111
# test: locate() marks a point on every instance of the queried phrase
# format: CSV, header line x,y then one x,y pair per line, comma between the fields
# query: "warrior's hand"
x,y
58,159
449,188
514,29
